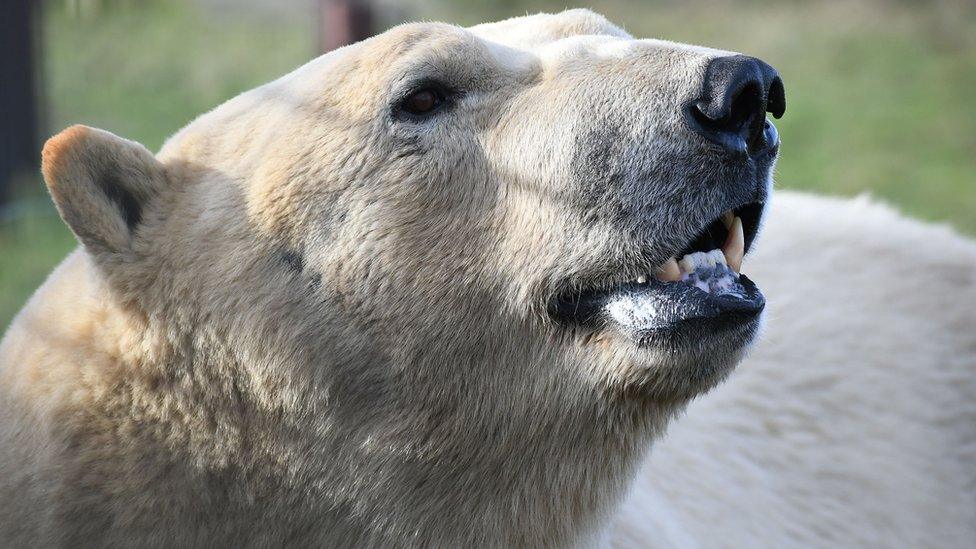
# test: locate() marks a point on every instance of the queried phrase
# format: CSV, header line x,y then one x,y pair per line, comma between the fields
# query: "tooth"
x,y
687,263
705,259
735,245
642,279
669,271
727,218
717,256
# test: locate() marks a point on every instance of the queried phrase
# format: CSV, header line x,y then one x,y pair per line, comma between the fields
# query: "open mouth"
x,y
699,284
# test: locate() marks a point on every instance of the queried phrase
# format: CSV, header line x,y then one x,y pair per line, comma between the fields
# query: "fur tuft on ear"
x,y
101,185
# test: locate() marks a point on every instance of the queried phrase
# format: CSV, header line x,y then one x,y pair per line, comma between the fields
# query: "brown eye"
x,y
422,102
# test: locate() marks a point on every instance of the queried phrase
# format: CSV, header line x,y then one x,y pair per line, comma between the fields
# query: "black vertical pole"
x,y
343,22
18,101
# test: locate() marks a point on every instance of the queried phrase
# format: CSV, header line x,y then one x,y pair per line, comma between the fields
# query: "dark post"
x,y
18,106
343,22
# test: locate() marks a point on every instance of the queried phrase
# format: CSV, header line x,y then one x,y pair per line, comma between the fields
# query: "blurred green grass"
x,y
881,95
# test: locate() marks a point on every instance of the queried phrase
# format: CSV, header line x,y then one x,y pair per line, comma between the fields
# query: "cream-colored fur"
x,y
311,321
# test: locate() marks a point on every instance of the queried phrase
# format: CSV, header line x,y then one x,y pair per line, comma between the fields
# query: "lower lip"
x,y
664,306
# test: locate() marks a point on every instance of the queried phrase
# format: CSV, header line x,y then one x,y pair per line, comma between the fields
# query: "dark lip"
x,y
678,305
682,306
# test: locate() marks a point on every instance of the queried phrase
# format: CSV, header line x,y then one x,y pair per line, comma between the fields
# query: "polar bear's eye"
x,y
423,102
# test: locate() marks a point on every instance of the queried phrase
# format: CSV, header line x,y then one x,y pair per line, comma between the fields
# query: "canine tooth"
x,y
717,256
687,263
669,271
642,279
735,245
727,218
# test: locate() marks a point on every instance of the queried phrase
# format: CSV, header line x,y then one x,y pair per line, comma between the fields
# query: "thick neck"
x,y
516,481
353,448
469,470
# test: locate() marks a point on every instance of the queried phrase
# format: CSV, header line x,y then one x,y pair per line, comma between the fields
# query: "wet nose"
x,y
736,94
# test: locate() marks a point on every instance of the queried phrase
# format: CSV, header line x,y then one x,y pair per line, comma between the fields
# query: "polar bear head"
x,y
479,264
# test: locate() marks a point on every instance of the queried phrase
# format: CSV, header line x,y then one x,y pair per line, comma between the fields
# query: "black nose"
x,y
737,93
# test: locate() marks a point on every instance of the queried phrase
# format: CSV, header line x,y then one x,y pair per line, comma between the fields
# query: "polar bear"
x,y
444,287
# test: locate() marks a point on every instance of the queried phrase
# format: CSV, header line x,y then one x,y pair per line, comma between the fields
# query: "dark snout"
x,y
736,94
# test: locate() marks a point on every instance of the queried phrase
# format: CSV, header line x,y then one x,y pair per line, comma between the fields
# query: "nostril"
x,y
745,103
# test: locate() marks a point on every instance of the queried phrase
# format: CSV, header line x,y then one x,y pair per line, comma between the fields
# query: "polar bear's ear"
x,y
101,184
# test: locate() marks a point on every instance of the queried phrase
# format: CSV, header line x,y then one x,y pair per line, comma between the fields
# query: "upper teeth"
x,y
730,254
694,260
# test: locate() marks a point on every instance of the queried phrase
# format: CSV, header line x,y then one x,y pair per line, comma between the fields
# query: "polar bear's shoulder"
x,y
864,222
862,255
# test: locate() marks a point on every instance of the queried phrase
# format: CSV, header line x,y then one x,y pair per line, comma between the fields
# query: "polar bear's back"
x,y
854,421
